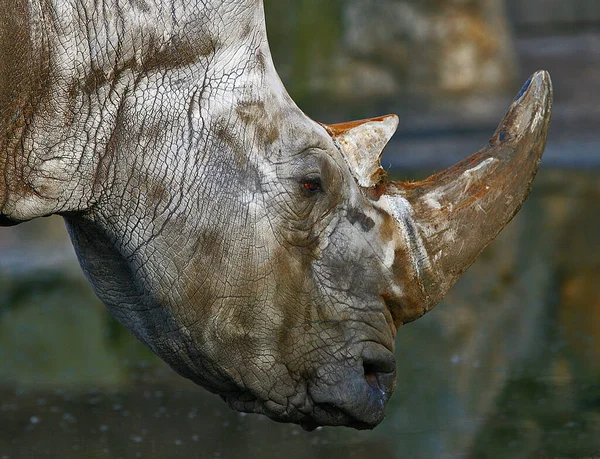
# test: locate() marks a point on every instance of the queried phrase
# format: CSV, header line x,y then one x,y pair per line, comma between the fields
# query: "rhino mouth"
x,y
354,397
320,415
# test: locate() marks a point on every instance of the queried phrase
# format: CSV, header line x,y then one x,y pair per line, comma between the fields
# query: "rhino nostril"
x,y
378,366
371,375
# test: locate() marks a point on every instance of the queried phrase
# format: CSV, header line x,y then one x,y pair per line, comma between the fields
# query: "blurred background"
x,y
508,366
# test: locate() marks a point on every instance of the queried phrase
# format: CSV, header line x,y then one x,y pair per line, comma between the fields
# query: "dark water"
x,y
508,366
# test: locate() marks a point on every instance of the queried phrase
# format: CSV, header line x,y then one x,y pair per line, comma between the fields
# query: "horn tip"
x,y
531,110
537,87
392,118
391,122
540,81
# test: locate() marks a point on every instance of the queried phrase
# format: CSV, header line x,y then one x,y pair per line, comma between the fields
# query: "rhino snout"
x,y
355,397
337,394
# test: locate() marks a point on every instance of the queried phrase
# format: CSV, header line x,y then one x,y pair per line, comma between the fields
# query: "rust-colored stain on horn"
x,y
335,130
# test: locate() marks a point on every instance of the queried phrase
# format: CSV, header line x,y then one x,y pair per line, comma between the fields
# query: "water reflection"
x,y
508,366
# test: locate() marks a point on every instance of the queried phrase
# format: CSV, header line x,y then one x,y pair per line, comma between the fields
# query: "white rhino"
x,y
263,255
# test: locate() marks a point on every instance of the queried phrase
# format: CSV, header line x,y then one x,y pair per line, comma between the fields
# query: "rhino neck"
x,y
24,86
114,88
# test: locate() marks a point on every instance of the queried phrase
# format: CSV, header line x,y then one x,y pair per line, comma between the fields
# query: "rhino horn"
x,y
445,221
363,143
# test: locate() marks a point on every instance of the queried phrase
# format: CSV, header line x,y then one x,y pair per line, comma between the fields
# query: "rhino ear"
x,y
362,143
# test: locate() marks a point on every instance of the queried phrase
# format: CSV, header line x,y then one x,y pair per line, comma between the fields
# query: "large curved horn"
x,y
445,221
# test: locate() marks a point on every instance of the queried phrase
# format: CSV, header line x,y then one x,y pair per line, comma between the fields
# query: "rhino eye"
x,y
313,184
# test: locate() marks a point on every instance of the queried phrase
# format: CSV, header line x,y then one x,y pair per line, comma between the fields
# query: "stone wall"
x,y
357,50
545,15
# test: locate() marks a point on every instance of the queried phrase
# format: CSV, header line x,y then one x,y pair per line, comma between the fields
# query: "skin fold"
x,y
261,254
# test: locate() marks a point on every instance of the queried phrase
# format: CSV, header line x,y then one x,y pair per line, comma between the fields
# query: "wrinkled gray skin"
x,y
226,230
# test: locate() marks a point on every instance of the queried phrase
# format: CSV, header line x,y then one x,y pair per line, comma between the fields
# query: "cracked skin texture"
x,y
219,224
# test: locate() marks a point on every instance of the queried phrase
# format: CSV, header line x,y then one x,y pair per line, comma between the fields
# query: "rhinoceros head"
x,y
263,255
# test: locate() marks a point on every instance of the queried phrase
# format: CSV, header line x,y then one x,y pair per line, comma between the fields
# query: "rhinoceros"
x,y
263,255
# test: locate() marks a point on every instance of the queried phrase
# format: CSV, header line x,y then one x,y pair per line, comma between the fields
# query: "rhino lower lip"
x,y
309,425
326,414
332,416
